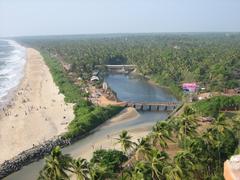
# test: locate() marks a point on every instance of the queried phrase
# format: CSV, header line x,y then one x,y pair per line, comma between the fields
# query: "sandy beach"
x,y
37,111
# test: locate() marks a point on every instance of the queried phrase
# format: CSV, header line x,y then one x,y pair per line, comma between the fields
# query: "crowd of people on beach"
x,y
26,106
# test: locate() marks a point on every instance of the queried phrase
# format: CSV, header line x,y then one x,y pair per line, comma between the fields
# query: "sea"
x,y
12,61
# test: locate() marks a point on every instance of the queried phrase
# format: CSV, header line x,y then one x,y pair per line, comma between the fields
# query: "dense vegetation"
x,y
201,153
109,160
87,116
104,164
169,59
200,156
211,107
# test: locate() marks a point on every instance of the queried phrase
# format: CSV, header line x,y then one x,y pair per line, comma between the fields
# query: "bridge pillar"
x,y
165,108
150,108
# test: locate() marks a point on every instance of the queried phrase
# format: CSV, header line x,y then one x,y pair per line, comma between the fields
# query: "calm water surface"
x,y
136,89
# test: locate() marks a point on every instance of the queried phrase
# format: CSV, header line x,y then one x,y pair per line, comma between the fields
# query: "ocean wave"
x,y
11,67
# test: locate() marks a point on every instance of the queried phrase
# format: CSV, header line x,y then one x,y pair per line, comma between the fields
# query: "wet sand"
x,y
110,142
103,101
37,111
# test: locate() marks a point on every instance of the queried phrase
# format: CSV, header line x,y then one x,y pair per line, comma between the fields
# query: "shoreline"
x,y
28,117
12,92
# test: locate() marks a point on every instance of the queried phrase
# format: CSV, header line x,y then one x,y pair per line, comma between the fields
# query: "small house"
x,y
190,87
94,78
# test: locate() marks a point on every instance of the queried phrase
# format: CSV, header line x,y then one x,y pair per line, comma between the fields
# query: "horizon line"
x,y
120,33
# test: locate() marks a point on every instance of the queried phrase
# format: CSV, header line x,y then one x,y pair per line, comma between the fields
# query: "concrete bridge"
x,y
120,68
153,106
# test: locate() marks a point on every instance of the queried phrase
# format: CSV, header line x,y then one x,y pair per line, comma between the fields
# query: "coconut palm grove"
x,y
192,143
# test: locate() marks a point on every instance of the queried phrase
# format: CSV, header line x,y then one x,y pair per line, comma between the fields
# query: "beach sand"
x,y
126,114
103,101
37,112
110,142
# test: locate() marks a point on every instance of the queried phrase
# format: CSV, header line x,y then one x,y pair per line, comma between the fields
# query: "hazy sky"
x,y
44,17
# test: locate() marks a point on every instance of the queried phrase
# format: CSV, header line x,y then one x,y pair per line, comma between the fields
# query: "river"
x,y
128,88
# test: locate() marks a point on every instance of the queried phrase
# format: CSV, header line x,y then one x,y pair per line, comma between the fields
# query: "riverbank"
x,y
37,111
108,140
101,98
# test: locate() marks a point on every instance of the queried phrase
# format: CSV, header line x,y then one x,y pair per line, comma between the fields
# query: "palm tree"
x,y
141,171
143,148
127,174
217,133
99,172
215,140
172,172
55,166
161,132
208,153
236,127
187,161
185,126
157,161
201,149
165,125
187,111
80,168
125,141
220,125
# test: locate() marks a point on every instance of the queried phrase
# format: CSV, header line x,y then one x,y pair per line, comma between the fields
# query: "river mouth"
x,y
128,88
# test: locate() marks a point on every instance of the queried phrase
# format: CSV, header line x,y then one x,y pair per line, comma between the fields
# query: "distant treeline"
x,y
169,59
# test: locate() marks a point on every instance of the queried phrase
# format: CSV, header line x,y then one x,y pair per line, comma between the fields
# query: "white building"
x,y
94,78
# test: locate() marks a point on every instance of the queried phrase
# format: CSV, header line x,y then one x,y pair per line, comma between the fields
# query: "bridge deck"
x,y
118,66
153,103
122,65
